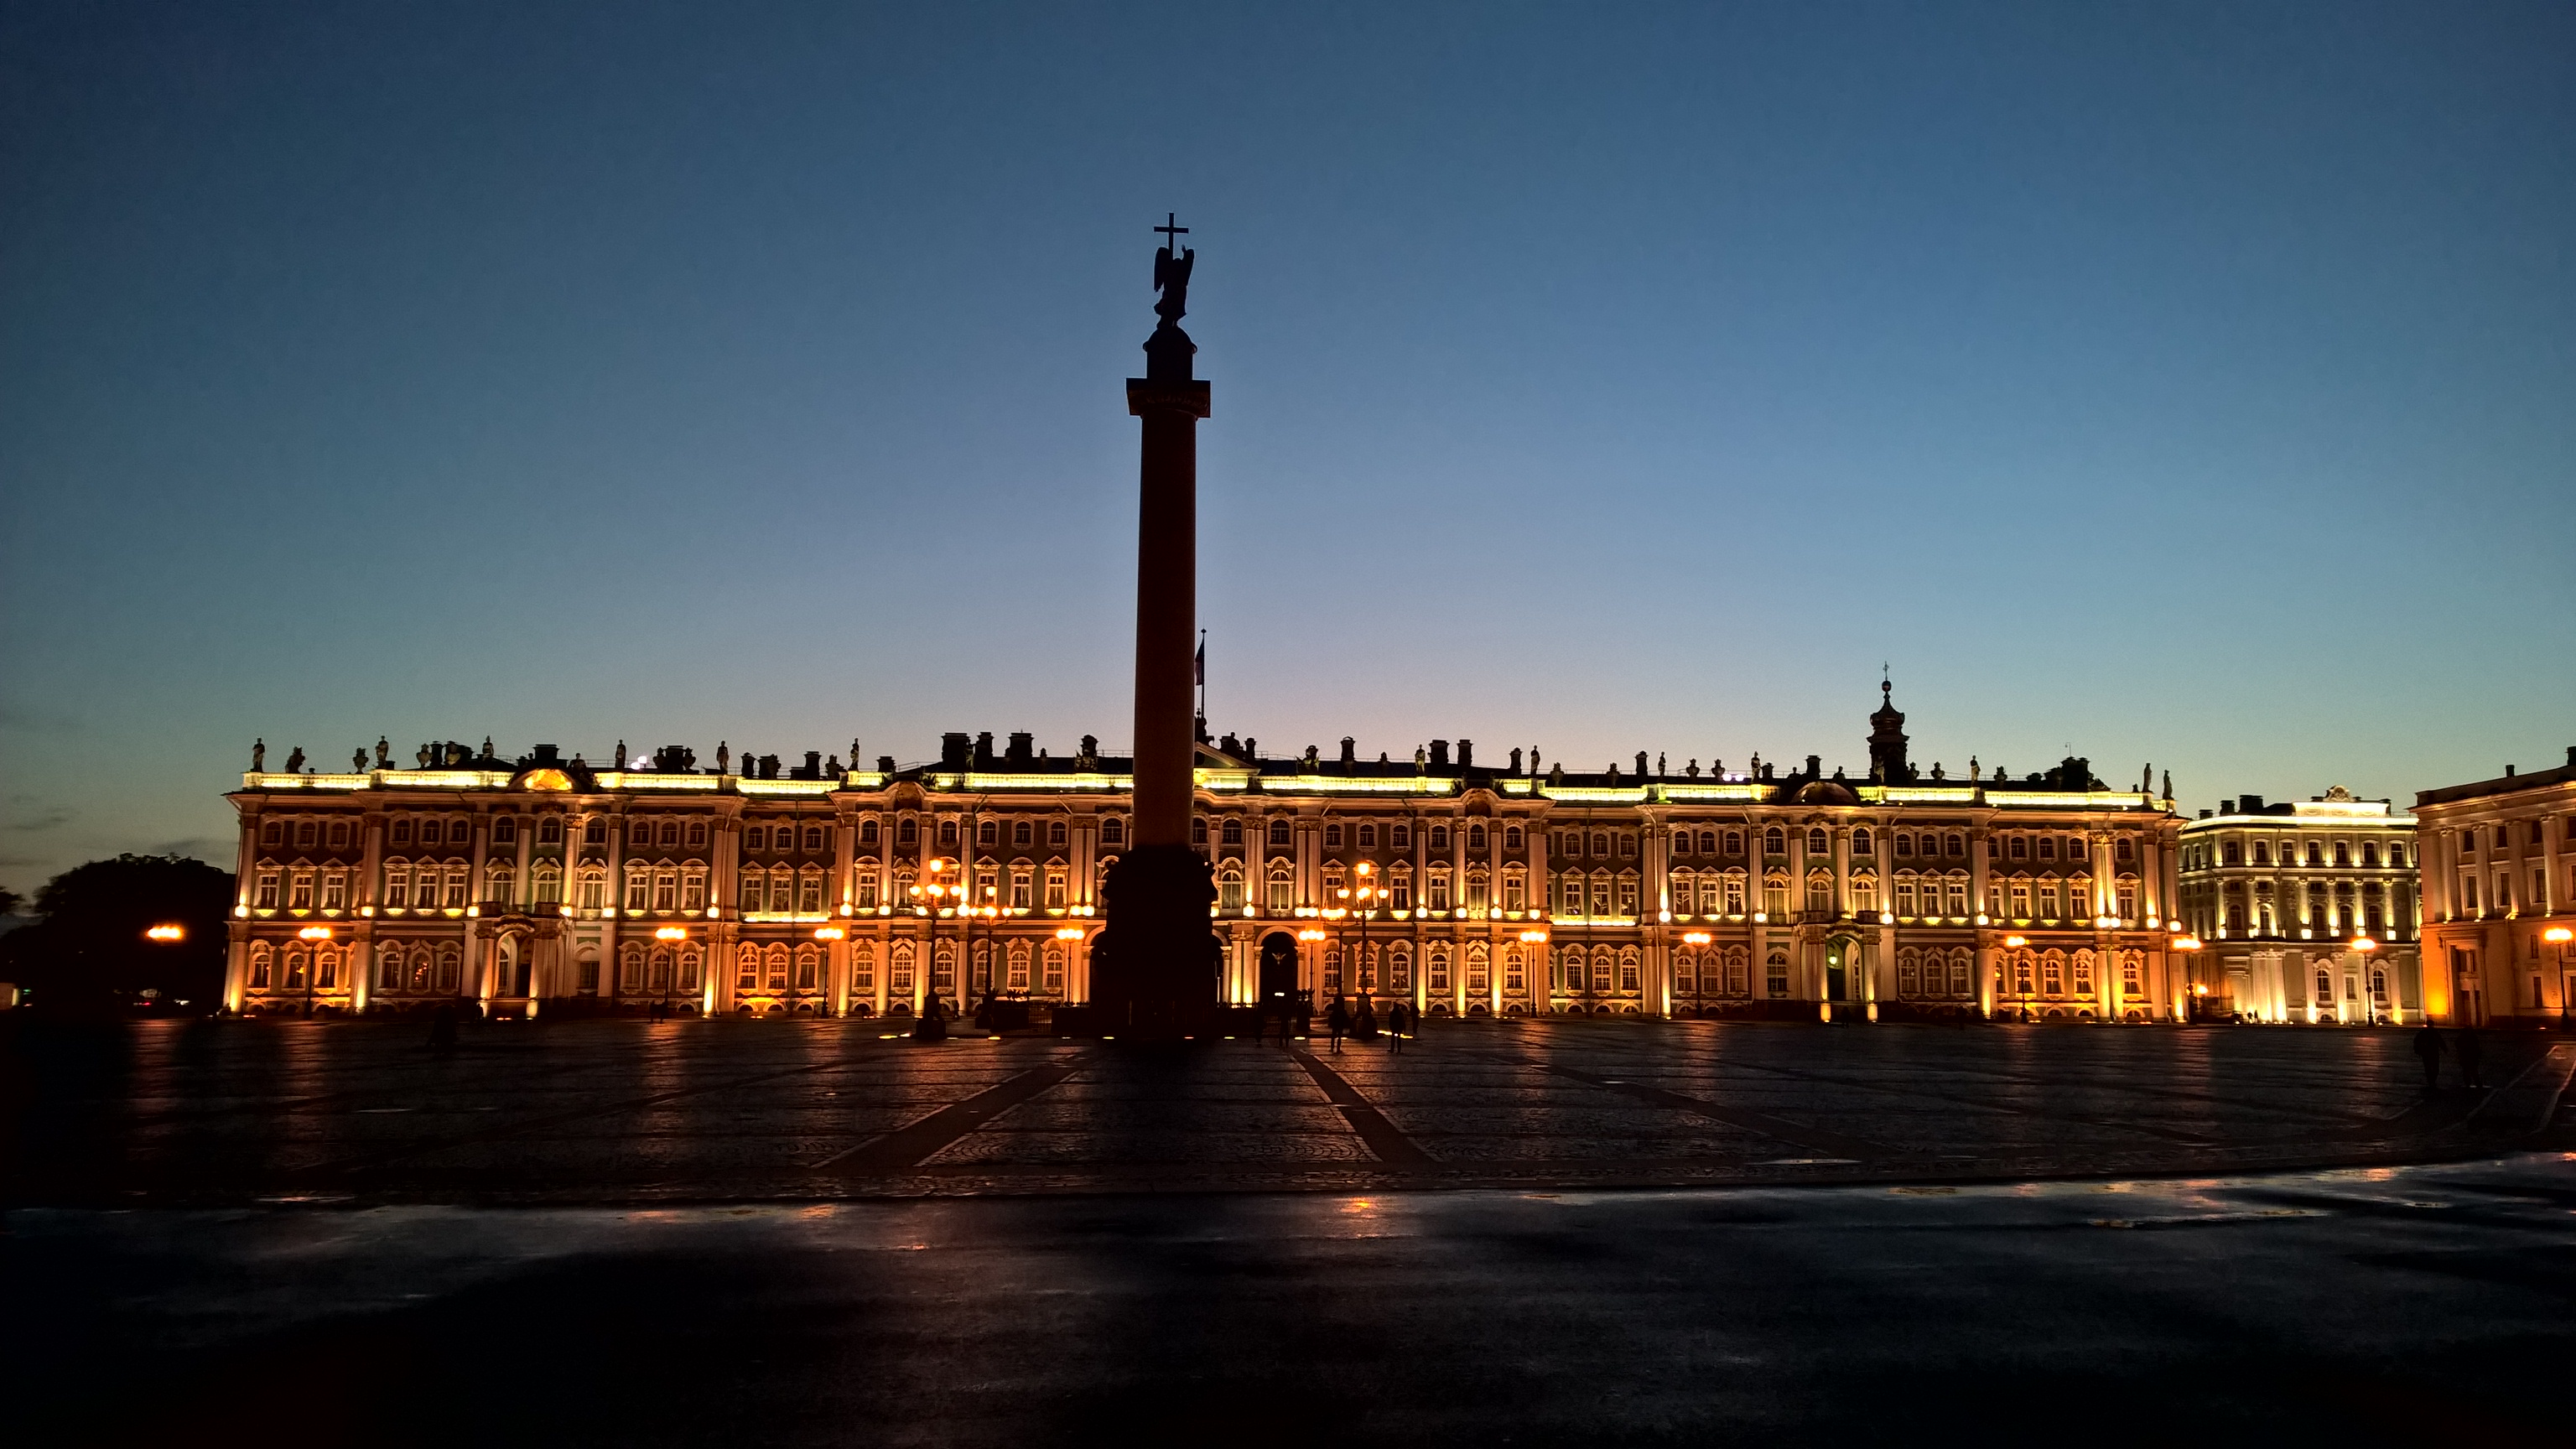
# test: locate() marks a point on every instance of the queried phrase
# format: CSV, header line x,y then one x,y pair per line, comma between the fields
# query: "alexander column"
x,y
1155,968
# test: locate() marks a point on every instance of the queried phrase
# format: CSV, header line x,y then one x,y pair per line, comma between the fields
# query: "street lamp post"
x,y
1313,938
2559,936
2188,944
2363,946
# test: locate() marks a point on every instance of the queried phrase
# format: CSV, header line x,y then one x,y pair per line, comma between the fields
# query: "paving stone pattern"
x,y
634,1112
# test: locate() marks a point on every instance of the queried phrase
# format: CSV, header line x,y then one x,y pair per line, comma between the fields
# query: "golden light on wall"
x,y
315,933
2016,942
671,933
829,933
166,932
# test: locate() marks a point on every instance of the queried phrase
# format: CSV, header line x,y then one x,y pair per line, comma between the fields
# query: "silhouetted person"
x,y
2428,1050
984,1010
1337,1021
442,1030
1364,1022
2465,1045
933,1025
1399,1020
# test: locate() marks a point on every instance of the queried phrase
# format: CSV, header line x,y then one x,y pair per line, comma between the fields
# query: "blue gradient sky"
x,y
2174,384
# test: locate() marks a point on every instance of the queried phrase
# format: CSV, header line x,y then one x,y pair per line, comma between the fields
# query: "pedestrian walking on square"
x,y
1399,1020
2428,1050
1337,1020
1364,1025
2465,1045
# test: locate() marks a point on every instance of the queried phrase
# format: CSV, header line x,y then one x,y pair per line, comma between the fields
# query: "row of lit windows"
x,y
2500,837
2319,856
2053,973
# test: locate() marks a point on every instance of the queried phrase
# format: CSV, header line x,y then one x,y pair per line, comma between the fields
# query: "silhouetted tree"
x,y
87,944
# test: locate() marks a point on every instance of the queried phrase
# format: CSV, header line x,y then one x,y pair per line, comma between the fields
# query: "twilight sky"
x,y
2178,384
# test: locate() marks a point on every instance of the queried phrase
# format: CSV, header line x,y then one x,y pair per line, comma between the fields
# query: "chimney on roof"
x,y
1467,754
1350,750
955,748
1023,748
984,750
1440,754
2508,772
2249,804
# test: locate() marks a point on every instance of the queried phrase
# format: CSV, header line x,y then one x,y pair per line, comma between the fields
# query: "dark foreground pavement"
x,y
2431,1305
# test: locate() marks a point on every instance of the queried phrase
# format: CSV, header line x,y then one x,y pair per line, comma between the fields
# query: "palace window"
x,y
1600,843
1775,842
948,831
1400,837
907,831
1775,895
1861,844
2124,849
1022,885
299,891
1439,968
1055,884
2130,965
1113,830
809,967
1908,967
1368,837
2048,847
1333,836
1511,837
1775,974
1515,969
1475,837
1233,834
2048,900
594,888
1024,832
397,885
1601,893
666,889
550,830
867,886
1279,832
1735,893
755,838
2127,895
1435,894
1904,844
1439,837
1627,893
1399,888
1515,890
548,882
1053,959
305,833
499,885
1478,896
1017,965
1904,891
2020,897
1865,894
2083,973
988,832
1479,974
1820,894
261,964
639,888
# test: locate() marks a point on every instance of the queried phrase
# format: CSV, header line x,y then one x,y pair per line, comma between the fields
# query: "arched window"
x,y
899,973
776,959
1475,837
262,966
1279,832
863,966
989,832
1229,885
1861,843
1816,843
692,968
1820,893
1774,842
389,966
809,968
907,831
1479,969
1113,830
549,883
450,965
1399,967
1198,830
746,967
1511,837
630,966
1281,898
1233,834
1515,971
1909,968
1775,974
1016,964
1439,837
1052,959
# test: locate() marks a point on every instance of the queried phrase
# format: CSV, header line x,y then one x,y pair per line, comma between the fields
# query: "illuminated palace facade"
x,y
543,884
2303,911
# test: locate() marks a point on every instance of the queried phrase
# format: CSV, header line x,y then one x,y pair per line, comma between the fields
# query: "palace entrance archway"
x,y
1278,965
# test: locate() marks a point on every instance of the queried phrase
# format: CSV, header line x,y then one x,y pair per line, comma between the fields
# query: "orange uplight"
x,y
829,933
166,932
2186,943
2558,935
1696,938
672,933
1533,937
1310,934
315,933
1068,933
2016,942
2364,943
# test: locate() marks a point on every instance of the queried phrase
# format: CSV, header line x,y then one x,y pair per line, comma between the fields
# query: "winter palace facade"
x,y
545,884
